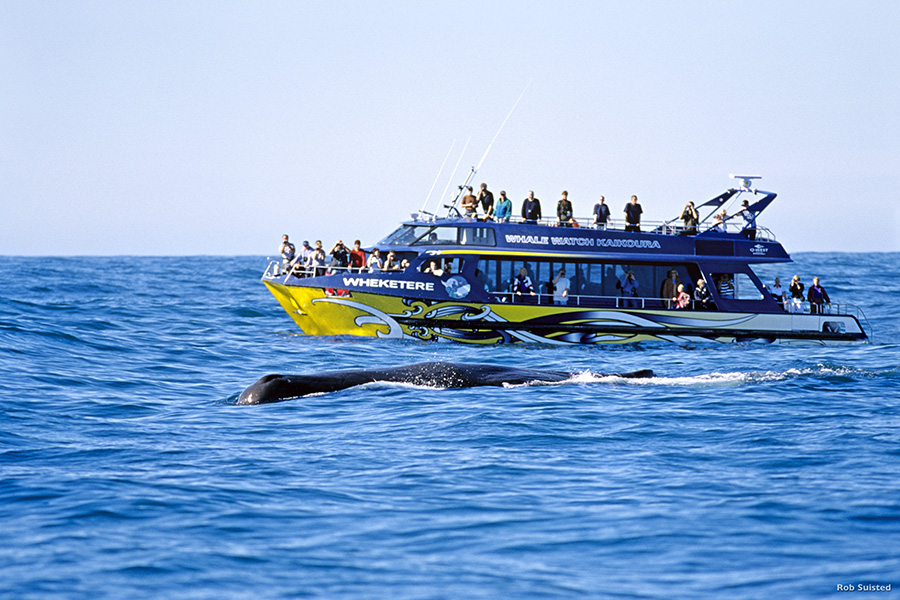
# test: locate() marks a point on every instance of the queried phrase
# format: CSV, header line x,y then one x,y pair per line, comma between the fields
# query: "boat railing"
x,y
658,227
278,270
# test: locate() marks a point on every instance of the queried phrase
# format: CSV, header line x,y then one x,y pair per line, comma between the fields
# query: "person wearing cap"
x,y
749,216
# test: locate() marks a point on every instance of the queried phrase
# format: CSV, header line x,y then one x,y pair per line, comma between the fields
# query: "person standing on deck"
x,y
531,209
633,212
564,211
601,214
486,199
503,210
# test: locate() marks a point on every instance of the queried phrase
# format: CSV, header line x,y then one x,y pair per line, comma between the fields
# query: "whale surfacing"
x,y
277,388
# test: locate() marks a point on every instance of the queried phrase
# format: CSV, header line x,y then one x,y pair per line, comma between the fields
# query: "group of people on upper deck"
x,y
501,212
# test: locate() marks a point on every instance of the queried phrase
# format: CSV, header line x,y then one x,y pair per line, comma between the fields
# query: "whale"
x,y
278,388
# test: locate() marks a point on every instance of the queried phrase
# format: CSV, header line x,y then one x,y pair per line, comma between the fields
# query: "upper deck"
x,y
657,241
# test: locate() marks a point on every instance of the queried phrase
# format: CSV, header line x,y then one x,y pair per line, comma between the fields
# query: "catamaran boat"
x,y
461,284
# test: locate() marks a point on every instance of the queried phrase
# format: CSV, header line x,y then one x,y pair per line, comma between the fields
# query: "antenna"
x,y
436,177
453,174
473,170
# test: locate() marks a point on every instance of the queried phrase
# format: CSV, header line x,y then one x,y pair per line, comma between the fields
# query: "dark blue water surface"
x,y
741,471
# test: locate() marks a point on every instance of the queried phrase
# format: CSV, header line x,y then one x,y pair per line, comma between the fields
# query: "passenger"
x,y
340,256
448,267
404,264
374,263
817,296
668,289
628,288
315,265
434,268
305,252
486,199
749,230
531,209
391,263
601,215
633,212
298,269
796,289
702,297
725,285
561,288
287,251
470,204
357,257
503,210
564,211
522,283
719,222
778,292
691,219
681,300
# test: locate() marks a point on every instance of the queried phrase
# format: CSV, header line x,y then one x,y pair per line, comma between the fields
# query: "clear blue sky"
x,y
179,128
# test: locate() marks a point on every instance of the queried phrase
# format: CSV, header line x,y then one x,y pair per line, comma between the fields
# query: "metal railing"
x,y
658,227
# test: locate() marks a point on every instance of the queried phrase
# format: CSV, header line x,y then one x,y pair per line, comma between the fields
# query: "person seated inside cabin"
x,y
448,267
628,288
434,268
391,263
503,210
564,211
681,300
404,264
691,219
725,285
521,284
702,297
470,204
668,289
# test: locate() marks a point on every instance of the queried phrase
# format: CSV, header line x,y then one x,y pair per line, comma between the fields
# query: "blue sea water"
x,y
127,471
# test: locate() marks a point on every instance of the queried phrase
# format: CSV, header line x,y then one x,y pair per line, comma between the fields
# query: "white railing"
x,y
658,227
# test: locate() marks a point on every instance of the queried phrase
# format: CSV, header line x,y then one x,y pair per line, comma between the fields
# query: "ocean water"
x,y
127,471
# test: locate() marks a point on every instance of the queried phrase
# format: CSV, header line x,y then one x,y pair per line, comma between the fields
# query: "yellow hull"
x,y
329,312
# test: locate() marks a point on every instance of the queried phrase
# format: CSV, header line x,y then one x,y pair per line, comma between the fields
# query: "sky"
x,y
212,128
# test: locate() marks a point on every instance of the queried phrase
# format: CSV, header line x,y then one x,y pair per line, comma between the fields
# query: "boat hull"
x,y
318,311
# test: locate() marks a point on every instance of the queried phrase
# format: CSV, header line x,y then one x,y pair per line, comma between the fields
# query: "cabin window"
x,y
737,286
477,236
